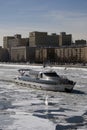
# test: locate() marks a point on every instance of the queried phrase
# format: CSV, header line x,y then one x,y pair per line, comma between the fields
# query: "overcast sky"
x,y
52,16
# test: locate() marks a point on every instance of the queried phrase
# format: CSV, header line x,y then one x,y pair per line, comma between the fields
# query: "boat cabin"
x,y
48,75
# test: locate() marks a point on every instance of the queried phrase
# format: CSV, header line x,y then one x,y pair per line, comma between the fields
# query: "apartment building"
x,y
19,54
41,47
65,39
80,42
22,54
42,39
4,55
71,54
13,41
40,55
6,40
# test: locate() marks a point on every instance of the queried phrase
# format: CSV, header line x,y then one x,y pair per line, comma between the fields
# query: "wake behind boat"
x,y
46,80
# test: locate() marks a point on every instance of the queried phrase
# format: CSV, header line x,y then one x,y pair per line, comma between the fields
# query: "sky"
x,y
52,16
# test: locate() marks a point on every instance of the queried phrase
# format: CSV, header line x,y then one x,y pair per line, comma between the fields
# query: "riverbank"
x,y
46,65
73,65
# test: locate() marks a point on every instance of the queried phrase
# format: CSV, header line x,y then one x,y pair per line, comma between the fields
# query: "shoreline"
x,y
72,66
50,65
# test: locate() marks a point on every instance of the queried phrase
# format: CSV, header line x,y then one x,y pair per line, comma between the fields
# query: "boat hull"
x,y
49,86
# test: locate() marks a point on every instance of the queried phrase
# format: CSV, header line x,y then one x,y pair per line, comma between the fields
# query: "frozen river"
x,y
23,108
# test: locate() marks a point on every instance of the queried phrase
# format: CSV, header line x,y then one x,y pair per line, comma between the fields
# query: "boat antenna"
x,y
44,65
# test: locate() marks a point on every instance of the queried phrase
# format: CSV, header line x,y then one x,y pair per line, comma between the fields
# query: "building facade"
x,y
40,55
4,55
74,54
22,54
42,39
13,41
80,42
65,39
6,43
18,54
71,54
41,47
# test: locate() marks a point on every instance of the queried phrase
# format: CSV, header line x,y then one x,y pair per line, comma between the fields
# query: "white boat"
x,y
46,80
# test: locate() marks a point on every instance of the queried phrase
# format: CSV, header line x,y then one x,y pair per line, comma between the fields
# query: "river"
x,y
23,108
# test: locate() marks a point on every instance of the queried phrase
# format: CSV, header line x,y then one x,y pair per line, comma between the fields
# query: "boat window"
x,y
51,74
41,75
27,75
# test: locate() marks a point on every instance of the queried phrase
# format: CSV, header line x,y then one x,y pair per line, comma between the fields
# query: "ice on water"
x,y
23,108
